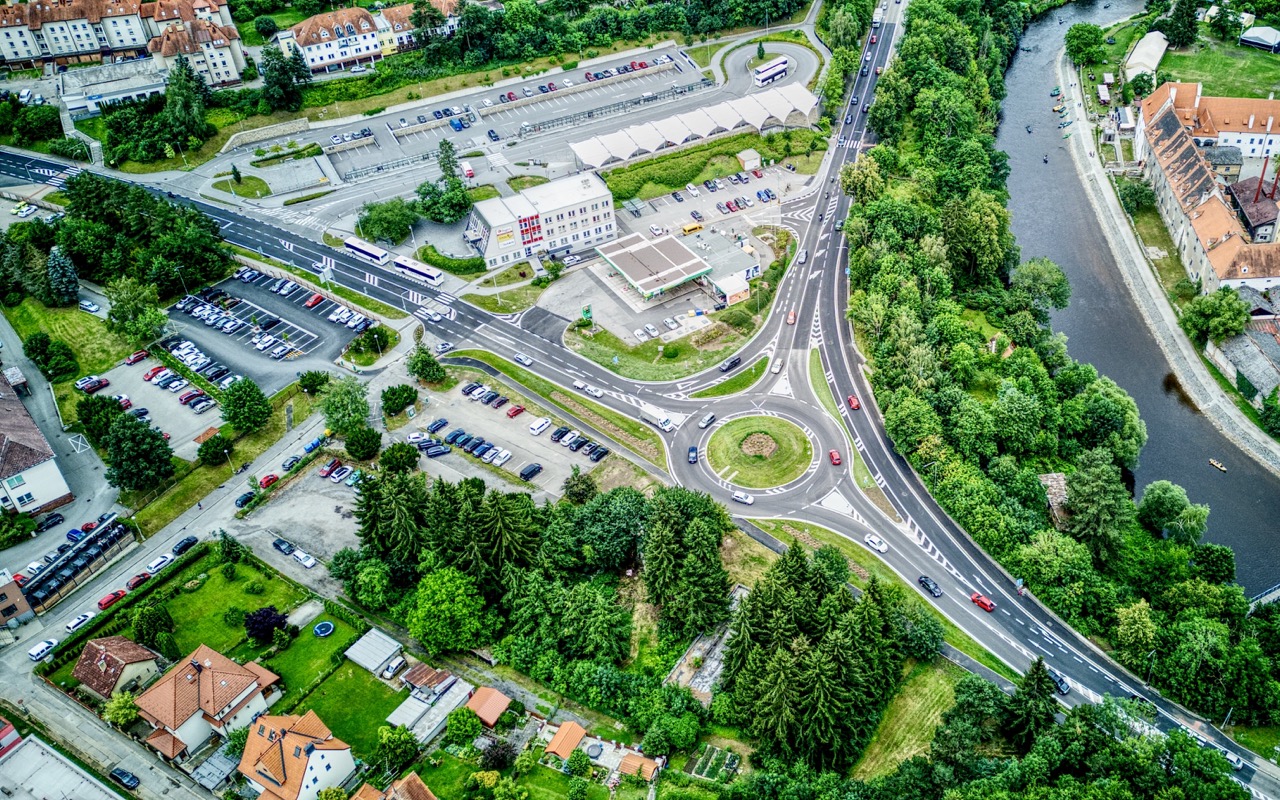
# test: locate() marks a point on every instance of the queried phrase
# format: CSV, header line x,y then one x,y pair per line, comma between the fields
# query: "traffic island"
x,y
759,452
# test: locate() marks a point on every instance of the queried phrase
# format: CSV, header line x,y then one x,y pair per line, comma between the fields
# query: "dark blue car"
x,y
438,425
75,535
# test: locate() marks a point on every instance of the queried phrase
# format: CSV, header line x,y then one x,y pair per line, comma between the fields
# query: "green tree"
x,y
245,407
1030,711
346,405
579,487
363,443
399,457
525,762
373,587
397,748
1142,84
312,381
1136,196
423,365
445,200
235,174
1043,285
1084,43
139,457
862,180
1215,316
397,398
280,639
1215,563
1136,634
135,310
578,763
97,413
1180,27
330,792
1099,503
121,709
1165,509
167,646
149,621
463,726
390,220
760,51
64,285
449,612
215,450
236,741
228,547
1226,23
578,788
283,77
700,599
37,124
265,26
661,561
185,97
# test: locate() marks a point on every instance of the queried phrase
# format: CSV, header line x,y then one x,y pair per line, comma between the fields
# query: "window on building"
x,y
9,610
26,499
15,482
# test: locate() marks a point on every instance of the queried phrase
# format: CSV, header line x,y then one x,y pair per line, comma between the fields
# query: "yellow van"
x,y
692,227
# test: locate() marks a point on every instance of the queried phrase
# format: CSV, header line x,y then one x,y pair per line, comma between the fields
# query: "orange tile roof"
x,y
410,787
566,740
1241,261
188,38
166,743
102,661
206,681
308,32
488,703
276,753
634,762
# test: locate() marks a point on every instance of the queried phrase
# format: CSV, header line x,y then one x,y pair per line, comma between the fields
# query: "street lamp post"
x,y
1151,657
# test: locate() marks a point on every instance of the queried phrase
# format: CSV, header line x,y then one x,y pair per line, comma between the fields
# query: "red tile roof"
x,y
276,753
188,38
103,660
488,703
566,740
206,681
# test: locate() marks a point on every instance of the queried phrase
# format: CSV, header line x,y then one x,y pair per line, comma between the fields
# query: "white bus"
x,y
418,271
366,251
771,71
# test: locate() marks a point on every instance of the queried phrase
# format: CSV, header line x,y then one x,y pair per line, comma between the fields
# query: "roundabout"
x,y
759,452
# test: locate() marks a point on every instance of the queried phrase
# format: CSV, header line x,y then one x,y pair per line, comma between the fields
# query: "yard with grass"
x,y
638,436
516,273
704,54
744,558
354,704
521,182
1225,69
309,656
197,616
739,382
543,783
644,362
249,186
907,727
508,301
482,192
862,565
1265,741
444,774
759,452
285,19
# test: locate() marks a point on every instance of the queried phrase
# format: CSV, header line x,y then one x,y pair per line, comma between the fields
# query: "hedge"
x,y
293,201
457,266
347,615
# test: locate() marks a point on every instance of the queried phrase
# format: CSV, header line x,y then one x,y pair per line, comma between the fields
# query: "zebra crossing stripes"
x,y
59,179
371,279
445,298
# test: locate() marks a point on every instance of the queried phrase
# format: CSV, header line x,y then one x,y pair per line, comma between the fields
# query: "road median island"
x,y
759,452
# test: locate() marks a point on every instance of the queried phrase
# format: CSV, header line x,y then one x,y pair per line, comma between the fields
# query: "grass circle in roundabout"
x,y
759,452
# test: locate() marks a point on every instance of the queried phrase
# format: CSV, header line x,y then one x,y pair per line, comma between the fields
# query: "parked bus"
x,y
771,71
366,251
418,271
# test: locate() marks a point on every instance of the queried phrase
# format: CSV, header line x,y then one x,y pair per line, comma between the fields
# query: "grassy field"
x,y
446,775
249,186
739,382
521,182
367,359
350,295
548,784
516,273
354,704
285,19
508,301
864,564
757,60
645,362
908,724
703,54
482,192
1226,70
791,455
1152,232
744,558
642,439
1265,741
309,655
197,616
201,481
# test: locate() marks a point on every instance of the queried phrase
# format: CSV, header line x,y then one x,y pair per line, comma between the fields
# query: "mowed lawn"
x,y
790,457
197,615
354,704
309,656
1226,70
908,724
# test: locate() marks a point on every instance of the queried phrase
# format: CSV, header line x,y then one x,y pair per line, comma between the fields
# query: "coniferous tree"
x,y
777,706
661,557
1030,711
64,285
701,596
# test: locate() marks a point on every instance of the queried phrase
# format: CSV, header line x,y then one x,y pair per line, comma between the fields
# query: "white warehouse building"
x,y
564,216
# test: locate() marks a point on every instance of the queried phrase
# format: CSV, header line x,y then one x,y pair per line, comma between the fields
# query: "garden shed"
x,y
374,651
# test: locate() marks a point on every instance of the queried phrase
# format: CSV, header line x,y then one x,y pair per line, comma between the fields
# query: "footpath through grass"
x,y
633,433
759,452
907,727
740,382
863,564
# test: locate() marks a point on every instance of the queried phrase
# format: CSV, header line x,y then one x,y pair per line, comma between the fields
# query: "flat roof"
x,y
125,76
541,199
34,771
721,252
653,265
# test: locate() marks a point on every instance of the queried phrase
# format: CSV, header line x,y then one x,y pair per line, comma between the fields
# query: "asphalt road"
x,y
926,541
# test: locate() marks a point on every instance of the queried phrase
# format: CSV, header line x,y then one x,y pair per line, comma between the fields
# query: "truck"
x,y
877,18
656,417
467,171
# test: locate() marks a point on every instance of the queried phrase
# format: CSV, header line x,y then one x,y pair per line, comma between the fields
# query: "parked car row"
x,y
190,356
71,558
288,548
352,319
338,472
579,443
349,136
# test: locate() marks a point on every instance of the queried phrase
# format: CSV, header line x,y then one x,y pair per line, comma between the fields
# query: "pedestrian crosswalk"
x,y
59,179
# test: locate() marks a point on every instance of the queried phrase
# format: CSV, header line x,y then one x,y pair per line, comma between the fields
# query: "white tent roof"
x,y
1146,55
698,122
620,144
800,98
750,110
777,105
592,152
725,116
647,137
672,130
1263,35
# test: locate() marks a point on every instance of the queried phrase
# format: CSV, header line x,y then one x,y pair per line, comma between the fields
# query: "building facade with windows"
x,y
30,479
13,604
336,39
213,50
565,216
294,757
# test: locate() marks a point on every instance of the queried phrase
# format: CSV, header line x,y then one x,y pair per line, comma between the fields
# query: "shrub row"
x,y
457,266
293,201
346,614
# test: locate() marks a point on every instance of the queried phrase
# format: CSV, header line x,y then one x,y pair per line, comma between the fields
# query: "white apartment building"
x,y
335,39
294,757
565,216
213,50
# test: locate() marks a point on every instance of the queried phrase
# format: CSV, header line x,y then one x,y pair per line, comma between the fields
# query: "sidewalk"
x,y
1149,296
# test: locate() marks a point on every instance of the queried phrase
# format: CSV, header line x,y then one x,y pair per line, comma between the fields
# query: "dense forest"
x,y
981,416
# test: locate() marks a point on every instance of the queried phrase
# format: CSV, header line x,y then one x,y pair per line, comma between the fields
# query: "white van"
x,y
580,385
42,649
802,257
539,426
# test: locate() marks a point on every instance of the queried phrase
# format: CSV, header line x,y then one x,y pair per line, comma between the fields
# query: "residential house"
x,y
213,50
335,39
399,30
30,479
113,664
9,737
410,787
489,704
294,757
13,603
207,693
1226,162
1256,203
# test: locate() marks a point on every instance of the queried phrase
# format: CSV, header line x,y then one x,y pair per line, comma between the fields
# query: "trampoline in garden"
x,y
595,749
323,629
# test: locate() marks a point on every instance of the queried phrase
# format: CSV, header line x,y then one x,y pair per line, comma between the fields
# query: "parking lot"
x,y
301,338
181,423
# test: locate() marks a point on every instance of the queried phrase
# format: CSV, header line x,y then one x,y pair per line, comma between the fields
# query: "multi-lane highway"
x,y
922,539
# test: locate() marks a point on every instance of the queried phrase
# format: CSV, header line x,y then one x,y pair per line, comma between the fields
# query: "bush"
x,y
375,340
70,147
363,443
312,381
397,398
229,571
233,616
254,587
215,450
457,266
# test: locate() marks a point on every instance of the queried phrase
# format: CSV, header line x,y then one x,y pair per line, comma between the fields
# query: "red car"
x,y
187,397
110,600
138,580
151,373
328,469
853,402
983,602
732,206
515,411
126,403
88,526
644,65
267,480
873,38
96,386
589,76
635,65
835,458
136,357
757,173
511,96
19,579
791,317
314,300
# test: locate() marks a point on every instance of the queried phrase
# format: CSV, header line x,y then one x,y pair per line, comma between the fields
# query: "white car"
x,y
639,334
670,323
594,392
744,498
344,315
266,342
521,358
568,438
161,375
652,331
85,305
655,230
777,366
35,568
502,458
691,189
491,455
42,649
443,348
159,563
875,543
434,317
488,103
304,559
178,386
85,381
355,320
569,261
78,623
417,436
337,312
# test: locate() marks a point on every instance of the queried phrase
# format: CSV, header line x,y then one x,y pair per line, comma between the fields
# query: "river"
x,y
1052,217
